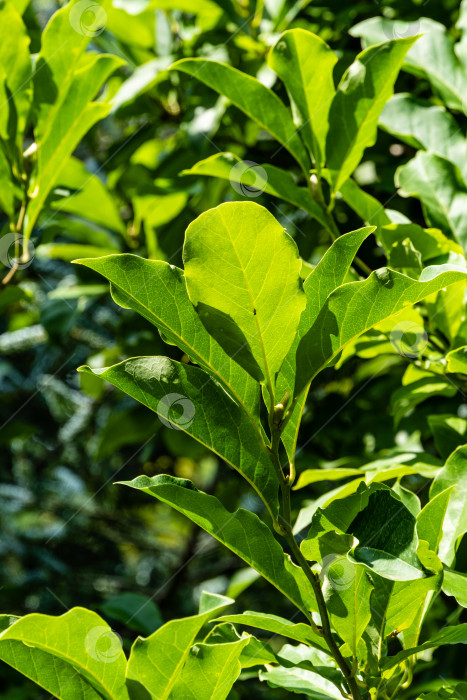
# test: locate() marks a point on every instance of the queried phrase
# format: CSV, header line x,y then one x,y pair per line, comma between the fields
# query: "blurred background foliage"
x,y
69,537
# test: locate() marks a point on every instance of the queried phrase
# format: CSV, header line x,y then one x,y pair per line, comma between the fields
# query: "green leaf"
x,y
431,243
455,584
302,681
252,97
432,57
423,125
449,432
361,95
347,590
156,663
210,671
455,520
456,361
329,274
207,413
439,185
16,65
157,291
367,207
74,655
135,610
86,196
431,518
242,274
356,307
280,626
242,532
305,64
66,80
447,635
254,179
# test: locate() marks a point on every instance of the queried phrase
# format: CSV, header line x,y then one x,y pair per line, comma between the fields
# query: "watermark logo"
x,y
409,339
176,411
338,571
15,252
401,30
103,644
248,178
88,18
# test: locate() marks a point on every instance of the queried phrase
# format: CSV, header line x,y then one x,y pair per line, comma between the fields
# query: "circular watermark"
x,y
401,30
103,644
88,18
15,251
176,411
248,178
408,338
338,571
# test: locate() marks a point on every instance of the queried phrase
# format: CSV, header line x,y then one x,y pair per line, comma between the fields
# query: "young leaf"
x,y
455,584
16,65
74,655
242,532
280,626
242,274
305,64
347,590
358,306
430,519
157,291
432,57
302,681
447,635
66,128
208,414
423,125
329,274
361,95
265,178
439,185
156,662
455,520
252,97
210,671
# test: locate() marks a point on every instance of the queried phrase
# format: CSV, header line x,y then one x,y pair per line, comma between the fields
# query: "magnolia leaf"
x,y
305,64
356,307
439,185
242,532
329,274
302,681
155,663
74,655
361,95
423,125
431,517
210,671
447,635
242,274
186,398
252,179
455,584
453,474
252,97
347,590
280,626
432,57
157,291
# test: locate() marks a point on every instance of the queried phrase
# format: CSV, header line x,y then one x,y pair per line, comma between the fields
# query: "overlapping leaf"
x,y
74,655
242,273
